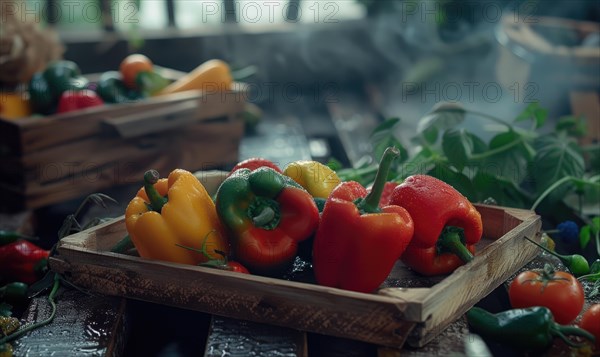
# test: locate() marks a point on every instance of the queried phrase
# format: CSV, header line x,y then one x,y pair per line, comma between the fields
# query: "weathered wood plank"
x,y
85,325
33,133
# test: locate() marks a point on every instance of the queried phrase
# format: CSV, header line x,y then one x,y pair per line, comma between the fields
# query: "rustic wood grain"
x,y
61,157
33,133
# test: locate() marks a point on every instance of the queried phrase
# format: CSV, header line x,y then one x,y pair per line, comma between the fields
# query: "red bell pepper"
x,y
447,225
22,261
358,243
254,163
267,217
75,100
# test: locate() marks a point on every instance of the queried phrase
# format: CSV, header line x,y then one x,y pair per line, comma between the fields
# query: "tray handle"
x,y
169,117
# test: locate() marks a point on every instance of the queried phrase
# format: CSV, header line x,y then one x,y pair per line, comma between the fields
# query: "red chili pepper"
x,y
254,163
22,261
447,225
75,100
357,243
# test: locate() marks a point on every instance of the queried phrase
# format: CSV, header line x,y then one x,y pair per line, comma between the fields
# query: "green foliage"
x,y
383,137
517,167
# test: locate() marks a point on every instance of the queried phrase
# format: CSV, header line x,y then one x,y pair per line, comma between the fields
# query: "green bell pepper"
x,y
112,89
531,329
46,87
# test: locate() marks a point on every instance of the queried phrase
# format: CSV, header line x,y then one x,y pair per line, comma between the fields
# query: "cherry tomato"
x,y
237,267
590,321
559,291
131,66
254,163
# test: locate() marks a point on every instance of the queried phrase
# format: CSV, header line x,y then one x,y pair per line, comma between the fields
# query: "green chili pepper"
x,y
577,264
594,273
530,329
15,291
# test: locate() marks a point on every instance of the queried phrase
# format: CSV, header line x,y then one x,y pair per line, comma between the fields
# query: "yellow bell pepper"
x,y
14,106
318,179
173,219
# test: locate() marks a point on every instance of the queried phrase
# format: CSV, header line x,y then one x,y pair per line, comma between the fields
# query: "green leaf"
x,y
445,116
334,164
595,226
556,158
479,146
595,289
584,236
458,146
383,136
420,163
535,112
455,179
572,125
430,134
504,192
509,157
593,164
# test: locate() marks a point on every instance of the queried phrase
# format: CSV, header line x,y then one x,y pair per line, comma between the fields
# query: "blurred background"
x,y
321,75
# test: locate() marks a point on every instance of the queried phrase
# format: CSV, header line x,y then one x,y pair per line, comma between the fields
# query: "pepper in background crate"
x,y
447,225
358,243
167,214
267,215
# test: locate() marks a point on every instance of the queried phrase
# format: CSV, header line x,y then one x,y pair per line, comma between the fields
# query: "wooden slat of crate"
x,y
454,295
35,133
202,146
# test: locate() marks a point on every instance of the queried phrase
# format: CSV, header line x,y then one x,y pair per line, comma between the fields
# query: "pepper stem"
x,y
264,213
156,200
265,216
452,241
562,330
370,204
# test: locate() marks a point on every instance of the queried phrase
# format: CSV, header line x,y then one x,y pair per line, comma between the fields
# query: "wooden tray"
x,y
47,160
407,308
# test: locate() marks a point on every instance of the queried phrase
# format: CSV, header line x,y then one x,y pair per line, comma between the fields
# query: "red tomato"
x,y
590,321
131,66
559,291
254,163
237,267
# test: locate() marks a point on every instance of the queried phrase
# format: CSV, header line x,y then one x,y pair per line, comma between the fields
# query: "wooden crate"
x,y
407,308
47,160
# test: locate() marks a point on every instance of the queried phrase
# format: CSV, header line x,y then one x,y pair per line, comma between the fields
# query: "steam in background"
x,y
424,52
